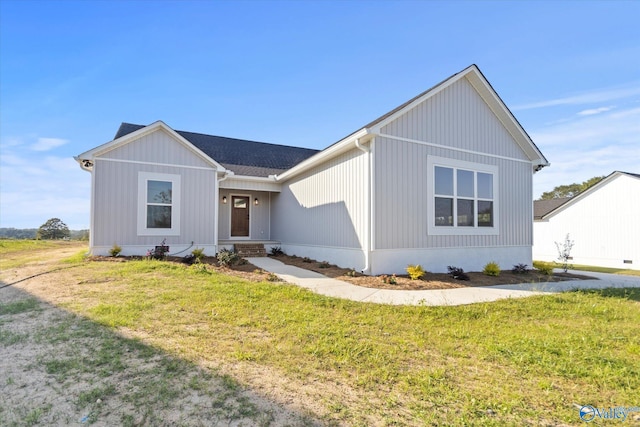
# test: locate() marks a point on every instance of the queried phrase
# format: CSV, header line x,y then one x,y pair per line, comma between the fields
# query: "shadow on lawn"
x,y
632,294
59,368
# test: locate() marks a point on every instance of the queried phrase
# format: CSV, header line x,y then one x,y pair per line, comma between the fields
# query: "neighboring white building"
x,y
444,179
603,222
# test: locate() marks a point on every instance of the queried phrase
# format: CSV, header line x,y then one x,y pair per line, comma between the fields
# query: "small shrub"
x,y
457,273
545,268
391,280
519,269
227,258
324,264
189,259
115,250
273,277
492,269
415,272
198,254
159,252
276,251
351,273
307,259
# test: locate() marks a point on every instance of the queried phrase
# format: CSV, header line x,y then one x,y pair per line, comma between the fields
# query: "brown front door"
x,y
239,216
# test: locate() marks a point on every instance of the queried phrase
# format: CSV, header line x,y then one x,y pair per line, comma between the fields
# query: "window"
x,y
159,204
462,197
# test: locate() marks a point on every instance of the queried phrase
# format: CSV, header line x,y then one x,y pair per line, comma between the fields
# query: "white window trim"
x,y
143,178
432,162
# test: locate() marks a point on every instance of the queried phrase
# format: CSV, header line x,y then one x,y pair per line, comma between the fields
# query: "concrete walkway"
x,y
324,285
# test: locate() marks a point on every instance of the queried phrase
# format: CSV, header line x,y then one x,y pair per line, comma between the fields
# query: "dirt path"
x,y
57,368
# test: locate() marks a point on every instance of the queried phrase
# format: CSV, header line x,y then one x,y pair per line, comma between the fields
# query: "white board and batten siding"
x,y
455,124
322,213
116,195
604,225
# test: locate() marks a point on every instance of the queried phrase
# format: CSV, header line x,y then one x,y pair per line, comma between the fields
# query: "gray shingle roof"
x,y
241,156
543,207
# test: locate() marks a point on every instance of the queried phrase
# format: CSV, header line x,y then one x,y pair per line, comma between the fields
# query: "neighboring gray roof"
x,y
240,156
543,207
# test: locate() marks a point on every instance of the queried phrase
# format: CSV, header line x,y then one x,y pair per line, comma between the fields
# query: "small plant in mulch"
x,y
276,251
415,272
307,259
491,269
198,254
390,280
457,273
115,250
351,273
545,268
324,264
272,277
159,252
227,258
520,269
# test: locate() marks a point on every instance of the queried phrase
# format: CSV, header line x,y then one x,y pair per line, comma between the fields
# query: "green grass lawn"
x,y
513,362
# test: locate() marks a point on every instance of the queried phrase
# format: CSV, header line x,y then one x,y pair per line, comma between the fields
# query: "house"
x,y
444,179
603,222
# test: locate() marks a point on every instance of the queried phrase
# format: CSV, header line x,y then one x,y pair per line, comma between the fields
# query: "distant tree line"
x,y
52,229
571,190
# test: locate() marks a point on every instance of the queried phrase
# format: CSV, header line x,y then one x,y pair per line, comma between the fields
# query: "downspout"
x,y
367,246
216,213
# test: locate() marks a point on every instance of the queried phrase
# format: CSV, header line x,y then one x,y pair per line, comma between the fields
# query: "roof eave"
x,y
326,154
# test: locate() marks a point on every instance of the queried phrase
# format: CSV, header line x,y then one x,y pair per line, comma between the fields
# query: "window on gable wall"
x,y
159,204
463,197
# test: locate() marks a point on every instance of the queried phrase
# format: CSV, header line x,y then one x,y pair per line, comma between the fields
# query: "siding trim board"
x,y
448,147
137,162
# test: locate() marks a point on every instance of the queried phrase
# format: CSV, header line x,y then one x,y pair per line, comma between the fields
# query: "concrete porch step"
x,y
250,249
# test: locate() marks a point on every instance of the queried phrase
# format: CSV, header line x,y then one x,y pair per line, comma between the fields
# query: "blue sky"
x,y
300,73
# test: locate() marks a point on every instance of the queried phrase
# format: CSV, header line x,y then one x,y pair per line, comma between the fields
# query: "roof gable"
x,y
482,86
544,209
86,159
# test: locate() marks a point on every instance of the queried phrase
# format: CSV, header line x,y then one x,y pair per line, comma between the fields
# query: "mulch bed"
x,y
250,272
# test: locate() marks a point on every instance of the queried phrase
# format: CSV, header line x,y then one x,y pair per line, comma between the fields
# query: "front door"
x,y
239,216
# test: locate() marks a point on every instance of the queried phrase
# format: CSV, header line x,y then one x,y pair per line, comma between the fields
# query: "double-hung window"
x,y
462,197
158,204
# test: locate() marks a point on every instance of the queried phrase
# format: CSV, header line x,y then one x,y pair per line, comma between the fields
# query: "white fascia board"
x,y
502,112
123,140
270,178
433,91
326,154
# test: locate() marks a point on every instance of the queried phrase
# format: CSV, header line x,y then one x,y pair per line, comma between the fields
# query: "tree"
x,y
570,190
53,229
